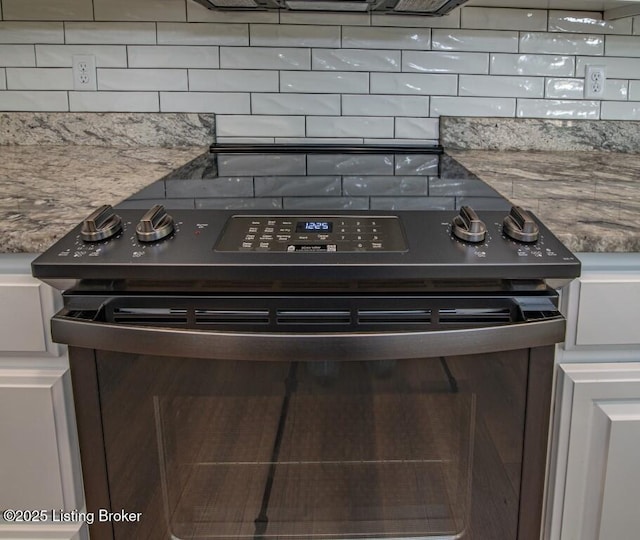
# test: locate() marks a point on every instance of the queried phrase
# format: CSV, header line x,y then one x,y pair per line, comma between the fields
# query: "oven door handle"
x,y
253,346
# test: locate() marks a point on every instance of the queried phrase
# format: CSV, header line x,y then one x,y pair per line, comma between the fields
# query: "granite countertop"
x,y
47,190
590,200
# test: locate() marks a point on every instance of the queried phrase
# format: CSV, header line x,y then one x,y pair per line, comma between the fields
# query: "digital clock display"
x,y
314,226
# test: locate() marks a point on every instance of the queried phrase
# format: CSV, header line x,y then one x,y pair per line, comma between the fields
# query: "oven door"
x,y
190,434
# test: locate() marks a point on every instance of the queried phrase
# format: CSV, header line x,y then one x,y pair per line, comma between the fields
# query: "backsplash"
x,y
286,76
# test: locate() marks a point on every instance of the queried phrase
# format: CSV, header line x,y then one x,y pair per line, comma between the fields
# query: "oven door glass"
x,y
420,448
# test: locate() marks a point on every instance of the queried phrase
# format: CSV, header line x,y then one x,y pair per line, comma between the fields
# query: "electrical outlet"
x,y
594,81
84,72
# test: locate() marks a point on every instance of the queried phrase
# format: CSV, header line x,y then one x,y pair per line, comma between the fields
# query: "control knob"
x,y
519,225
467,226
103,223
155,225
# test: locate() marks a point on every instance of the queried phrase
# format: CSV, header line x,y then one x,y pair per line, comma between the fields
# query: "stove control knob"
x,y
519,225
467,226
103,223
156,224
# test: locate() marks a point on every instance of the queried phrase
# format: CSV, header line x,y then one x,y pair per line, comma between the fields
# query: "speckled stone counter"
x,y
46,190
589,200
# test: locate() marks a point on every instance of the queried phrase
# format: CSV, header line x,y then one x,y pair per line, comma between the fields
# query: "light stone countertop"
x,y
47,190
590,200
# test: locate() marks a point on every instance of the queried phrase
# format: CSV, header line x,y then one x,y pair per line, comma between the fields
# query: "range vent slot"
x,y
476,316
307,316
403,316
132,315
232,316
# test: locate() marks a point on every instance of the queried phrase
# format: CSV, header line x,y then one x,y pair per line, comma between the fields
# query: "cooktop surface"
x,y
381,217
323,177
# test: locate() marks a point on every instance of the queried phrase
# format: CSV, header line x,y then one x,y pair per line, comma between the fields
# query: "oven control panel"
x,y
305,234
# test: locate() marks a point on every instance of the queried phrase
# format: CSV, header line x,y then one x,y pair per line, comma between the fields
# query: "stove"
x,y
312,343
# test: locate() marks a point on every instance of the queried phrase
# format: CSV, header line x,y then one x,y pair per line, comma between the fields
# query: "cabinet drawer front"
x,y
609,312
21,326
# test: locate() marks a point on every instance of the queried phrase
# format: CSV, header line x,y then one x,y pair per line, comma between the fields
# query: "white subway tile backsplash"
x,y
615,89
414,83
617,68
590,22
355,60
504,18
265,58
111,56
198,13
140,10
558,109
417,128
386,38
324,82
532,64
46,10
623,46
317,76
205,102
39,79
17,55
286,35
452,20
260,126
31,32
303,104
473,106
349,126
474,40
142,79
20,100
345,19
173,56
203,34
130,33
500,86
114,101
385,105
616,110
554,43
224,80
445,62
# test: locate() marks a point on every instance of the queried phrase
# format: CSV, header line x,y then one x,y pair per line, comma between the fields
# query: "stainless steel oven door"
x,y
199,434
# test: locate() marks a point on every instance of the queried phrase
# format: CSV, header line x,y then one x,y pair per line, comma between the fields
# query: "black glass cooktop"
x,y
321,177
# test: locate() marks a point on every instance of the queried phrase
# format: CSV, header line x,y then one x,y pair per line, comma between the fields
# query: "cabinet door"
x,y
596,477
39,460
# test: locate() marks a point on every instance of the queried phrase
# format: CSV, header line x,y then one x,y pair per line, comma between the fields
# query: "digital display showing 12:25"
x,y
314,226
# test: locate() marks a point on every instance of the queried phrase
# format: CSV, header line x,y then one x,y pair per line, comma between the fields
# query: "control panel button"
x,y
467,226
155,225
520,226
103,223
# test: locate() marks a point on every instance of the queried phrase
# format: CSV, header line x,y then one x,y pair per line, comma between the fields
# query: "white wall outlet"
x,y
594,82
84,72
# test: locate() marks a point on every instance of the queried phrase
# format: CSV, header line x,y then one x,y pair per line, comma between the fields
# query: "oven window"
x,y
407,448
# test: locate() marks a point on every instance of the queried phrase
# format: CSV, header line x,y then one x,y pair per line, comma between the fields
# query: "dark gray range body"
x,y
190,254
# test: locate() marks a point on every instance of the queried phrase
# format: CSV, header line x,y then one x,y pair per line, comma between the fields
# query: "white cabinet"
x,y
39,459
594,480
596,488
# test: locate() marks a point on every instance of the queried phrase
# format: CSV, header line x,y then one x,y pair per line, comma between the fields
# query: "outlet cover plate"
x,y
84,72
